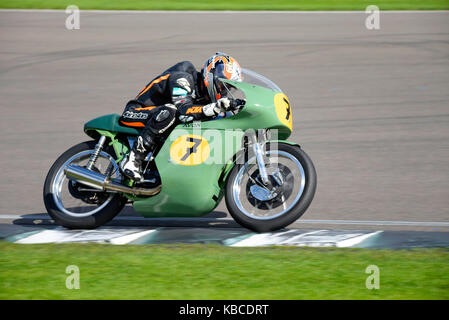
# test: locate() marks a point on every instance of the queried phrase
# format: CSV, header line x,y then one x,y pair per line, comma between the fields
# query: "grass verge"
x,y
229,4
216,272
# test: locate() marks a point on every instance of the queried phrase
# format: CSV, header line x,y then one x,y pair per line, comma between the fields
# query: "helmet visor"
x,y
220,71
220,88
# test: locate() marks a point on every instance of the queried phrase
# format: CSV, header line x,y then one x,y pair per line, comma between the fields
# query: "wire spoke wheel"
x,y
282,199
260,202
75,205
78,200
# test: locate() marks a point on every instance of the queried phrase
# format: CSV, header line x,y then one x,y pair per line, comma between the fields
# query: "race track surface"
x,y
370,107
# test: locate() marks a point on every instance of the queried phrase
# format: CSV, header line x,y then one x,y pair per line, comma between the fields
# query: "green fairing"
x,y
195,190
189,190
258,113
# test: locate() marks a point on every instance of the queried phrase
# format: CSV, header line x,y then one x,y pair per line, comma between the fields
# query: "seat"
x,y
109,122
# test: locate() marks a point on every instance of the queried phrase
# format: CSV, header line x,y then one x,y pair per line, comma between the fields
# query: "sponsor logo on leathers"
x,y
135,115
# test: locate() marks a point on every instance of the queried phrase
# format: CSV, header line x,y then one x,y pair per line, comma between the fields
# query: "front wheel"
x,y
267,207
74,205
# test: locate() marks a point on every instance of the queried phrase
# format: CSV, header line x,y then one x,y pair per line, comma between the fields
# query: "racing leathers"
x,y
177,95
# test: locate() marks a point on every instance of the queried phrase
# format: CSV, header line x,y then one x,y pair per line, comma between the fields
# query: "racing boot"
x,y
132,165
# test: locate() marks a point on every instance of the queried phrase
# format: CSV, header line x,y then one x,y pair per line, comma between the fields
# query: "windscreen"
x,y
248,76
259,80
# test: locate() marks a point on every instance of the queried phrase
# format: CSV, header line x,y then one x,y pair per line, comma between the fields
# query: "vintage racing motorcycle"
x,y
267,181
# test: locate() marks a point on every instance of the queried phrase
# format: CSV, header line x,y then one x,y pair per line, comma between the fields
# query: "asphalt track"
x,y
371,107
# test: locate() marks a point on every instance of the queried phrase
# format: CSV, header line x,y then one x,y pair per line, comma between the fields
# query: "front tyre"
x,y
292,185
77,206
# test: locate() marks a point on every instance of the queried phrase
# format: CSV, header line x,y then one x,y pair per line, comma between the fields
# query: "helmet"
x,y
220,66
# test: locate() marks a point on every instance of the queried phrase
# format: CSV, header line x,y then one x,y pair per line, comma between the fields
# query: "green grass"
x,y
216,272
229,4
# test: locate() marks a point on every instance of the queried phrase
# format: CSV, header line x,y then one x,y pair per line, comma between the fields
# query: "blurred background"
x,y
370,107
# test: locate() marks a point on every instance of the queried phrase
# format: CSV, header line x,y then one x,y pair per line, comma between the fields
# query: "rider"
x,y
179,94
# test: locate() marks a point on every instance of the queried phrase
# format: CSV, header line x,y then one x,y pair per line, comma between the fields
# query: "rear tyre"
x,y
293,182
74,205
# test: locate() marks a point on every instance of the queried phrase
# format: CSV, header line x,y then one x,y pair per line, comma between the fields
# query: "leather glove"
x,y
224,104
211,109
214,109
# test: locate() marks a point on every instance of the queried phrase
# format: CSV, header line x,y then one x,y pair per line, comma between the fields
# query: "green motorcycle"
x,y
267,182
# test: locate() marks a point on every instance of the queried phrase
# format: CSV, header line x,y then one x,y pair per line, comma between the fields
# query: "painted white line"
x,y
317,238
130,237
102,235
264,239
121,236
330,238
334,238
295,239
305,221
31,216
219,11
378,223
46,236
356,240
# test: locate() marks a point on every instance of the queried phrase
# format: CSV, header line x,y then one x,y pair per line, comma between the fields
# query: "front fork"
x,y
259,144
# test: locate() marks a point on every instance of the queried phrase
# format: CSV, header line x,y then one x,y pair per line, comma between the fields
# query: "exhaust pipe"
x,y
101,182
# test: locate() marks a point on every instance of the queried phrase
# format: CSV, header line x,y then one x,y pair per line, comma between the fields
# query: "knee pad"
x,y
162,119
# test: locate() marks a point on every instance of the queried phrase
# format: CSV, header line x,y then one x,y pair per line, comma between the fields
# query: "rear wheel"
x,y
74,205
290,191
